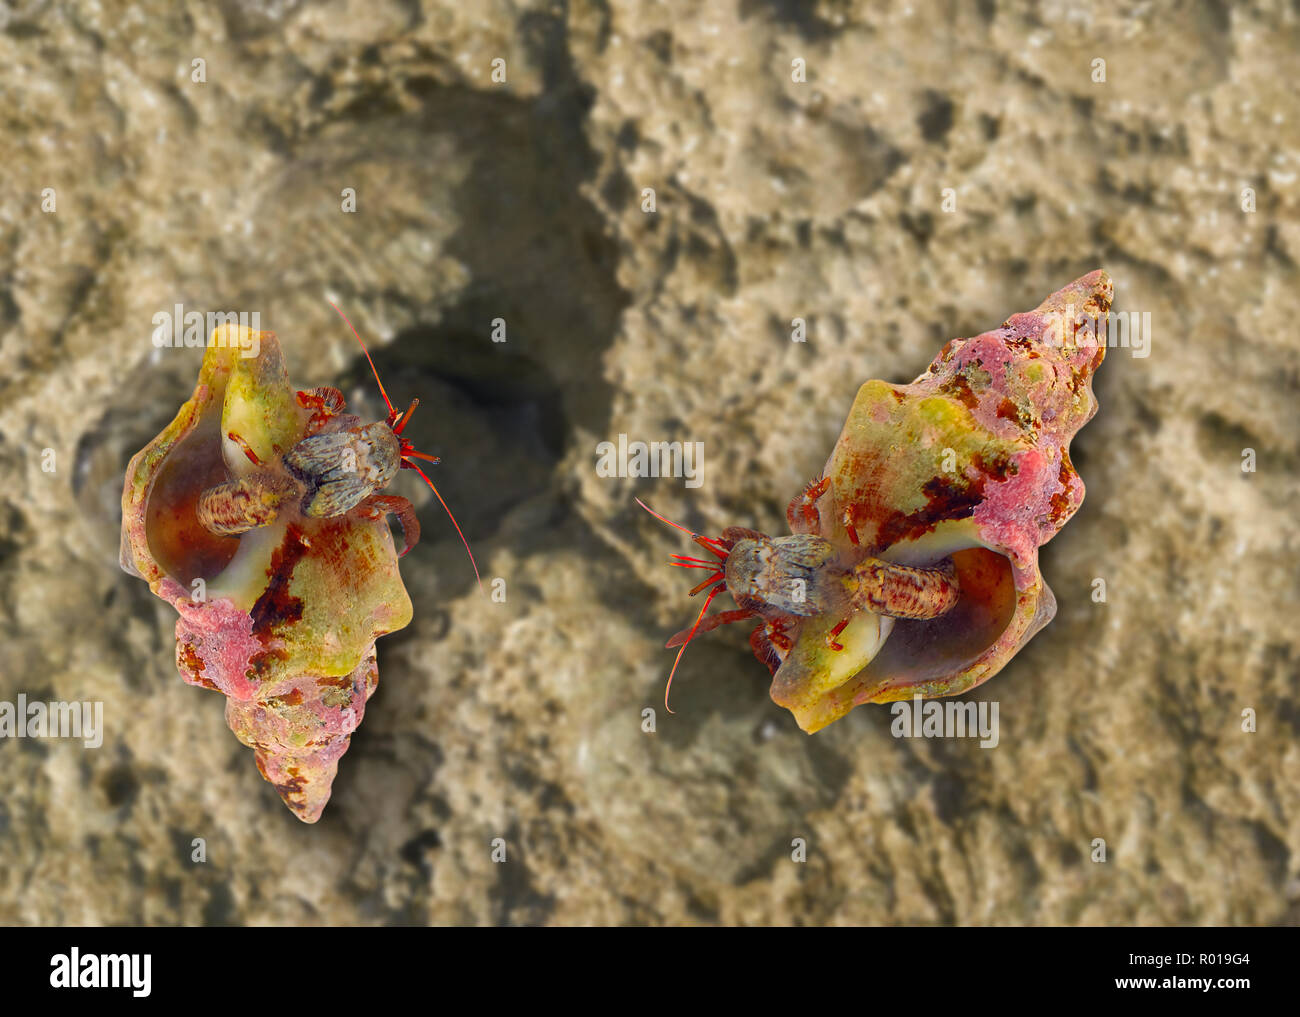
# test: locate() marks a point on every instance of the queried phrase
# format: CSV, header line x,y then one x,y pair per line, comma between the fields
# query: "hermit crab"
x,y
259,514
912,566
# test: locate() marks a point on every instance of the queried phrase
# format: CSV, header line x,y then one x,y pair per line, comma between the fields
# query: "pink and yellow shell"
x,y
918,544
970,461
282,619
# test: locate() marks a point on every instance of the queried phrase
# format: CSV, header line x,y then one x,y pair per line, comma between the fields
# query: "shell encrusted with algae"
x,y
281,619
969,462
912,568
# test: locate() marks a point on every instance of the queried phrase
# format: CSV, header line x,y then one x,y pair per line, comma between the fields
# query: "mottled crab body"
x,y
805,575
913,564
784,580
782,575
344,466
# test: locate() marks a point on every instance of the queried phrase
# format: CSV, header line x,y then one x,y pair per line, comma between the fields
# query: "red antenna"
x,y
716,579
398,421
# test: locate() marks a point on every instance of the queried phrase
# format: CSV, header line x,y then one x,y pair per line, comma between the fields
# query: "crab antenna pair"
x,y
398,422
716,580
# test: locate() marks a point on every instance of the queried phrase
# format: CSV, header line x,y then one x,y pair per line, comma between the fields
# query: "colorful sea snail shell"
x,y
281,619
931,508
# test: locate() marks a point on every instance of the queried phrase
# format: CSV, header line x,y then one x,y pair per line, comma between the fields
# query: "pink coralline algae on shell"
x,y
913,564
280,619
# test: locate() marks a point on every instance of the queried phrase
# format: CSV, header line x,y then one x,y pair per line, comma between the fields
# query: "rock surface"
x,y
773,199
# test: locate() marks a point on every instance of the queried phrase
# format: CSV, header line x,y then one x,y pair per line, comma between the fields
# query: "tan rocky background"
x,y
774,199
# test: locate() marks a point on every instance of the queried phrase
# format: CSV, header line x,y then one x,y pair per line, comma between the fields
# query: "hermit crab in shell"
x,y
912,566
260,514
341,466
